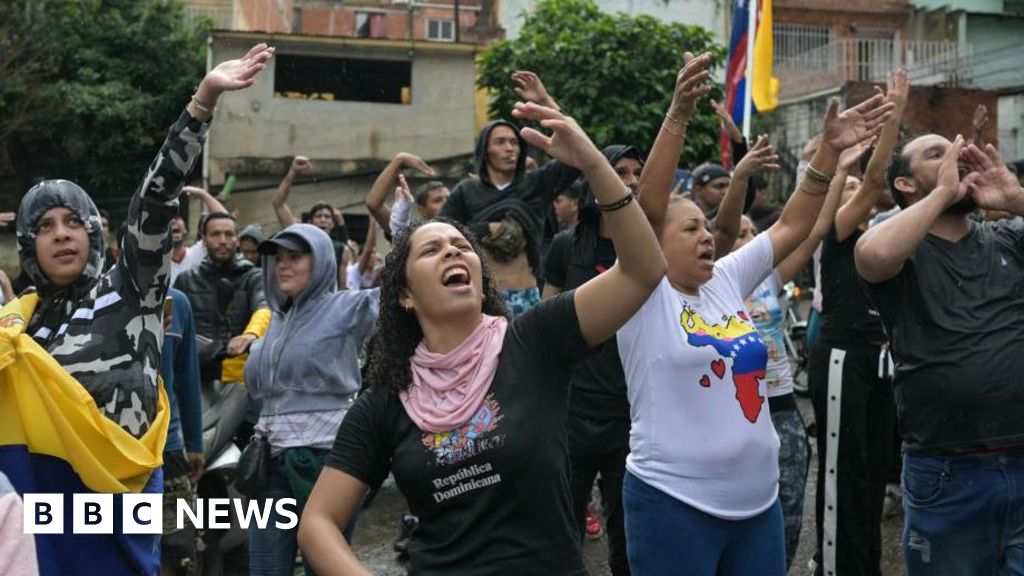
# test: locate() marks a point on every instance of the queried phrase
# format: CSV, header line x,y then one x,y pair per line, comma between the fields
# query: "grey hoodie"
x,y
308,359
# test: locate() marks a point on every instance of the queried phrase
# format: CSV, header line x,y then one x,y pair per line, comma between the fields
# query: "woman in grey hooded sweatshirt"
x,y
305,370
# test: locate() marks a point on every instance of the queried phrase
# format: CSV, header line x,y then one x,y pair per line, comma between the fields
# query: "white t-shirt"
x,y
194,255
356,281
695,367
767,308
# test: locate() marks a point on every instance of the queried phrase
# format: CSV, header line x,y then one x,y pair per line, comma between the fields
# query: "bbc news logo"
x,y
144,513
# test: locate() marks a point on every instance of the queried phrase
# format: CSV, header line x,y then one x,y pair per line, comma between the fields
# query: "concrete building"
x,y
326,98
398,20
351,85
958,54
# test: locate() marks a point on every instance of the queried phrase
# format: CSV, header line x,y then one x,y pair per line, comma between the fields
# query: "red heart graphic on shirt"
x,y
705,381
718,367
743,315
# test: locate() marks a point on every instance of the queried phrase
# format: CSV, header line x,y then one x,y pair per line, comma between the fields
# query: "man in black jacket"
x,y
226,293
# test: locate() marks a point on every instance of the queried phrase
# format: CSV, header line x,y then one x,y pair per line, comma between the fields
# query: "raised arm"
x,y
795,262
210,204
656,178
857,211
606,302
978,123
727,224
280,199
385,182
530,88
366,258
400,215
883,249
841,131
145,244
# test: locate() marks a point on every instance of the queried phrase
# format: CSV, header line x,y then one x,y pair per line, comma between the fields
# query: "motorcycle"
x,y
224,409
795,336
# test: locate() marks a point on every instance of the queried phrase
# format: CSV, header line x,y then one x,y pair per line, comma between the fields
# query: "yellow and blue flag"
x,y
54,439
764,86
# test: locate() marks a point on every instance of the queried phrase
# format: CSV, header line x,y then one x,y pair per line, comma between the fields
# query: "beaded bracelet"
x,y
818,175
618,204
667,120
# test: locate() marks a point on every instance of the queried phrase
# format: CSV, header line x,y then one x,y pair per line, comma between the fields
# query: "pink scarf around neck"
x,y
448,389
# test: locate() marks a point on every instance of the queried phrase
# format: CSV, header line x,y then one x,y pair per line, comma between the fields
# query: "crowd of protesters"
x,y
540,327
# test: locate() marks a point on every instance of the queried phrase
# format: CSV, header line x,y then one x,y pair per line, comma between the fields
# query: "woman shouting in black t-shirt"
x,y
467,408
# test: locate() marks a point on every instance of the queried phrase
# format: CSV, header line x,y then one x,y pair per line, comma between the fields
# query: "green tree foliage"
x,y
88,89
613,73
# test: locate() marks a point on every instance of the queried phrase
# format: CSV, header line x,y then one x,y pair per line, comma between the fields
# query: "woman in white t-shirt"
x,y
701,488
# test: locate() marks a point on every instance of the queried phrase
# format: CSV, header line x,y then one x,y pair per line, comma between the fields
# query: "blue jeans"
x,y
272,550
794,456
964,514
665,537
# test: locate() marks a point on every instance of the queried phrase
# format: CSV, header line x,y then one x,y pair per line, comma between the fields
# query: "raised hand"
x,y
897,89
300,164
568,142
726,123
849,157
948,177
690,86
402,190
416,163
761,157
189,191
990,182
529,87
857,124
980,118
235,74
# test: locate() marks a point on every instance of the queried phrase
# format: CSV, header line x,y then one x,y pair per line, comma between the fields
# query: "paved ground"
x,y
378,528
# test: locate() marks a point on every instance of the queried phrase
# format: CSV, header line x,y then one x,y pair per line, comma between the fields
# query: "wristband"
x,y
618,204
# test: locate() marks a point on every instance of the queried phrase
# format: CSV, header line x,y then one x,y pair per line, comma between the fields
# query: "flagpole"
x,y
749,84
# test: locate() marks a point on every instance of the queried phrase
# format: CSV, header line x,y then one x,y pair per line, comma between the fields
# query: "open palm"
x,y
568,142
856,124
239,73
990,182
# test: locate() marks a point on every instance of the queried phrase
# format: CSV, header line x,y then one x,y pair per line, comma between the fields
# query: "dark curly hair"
x,y
398,331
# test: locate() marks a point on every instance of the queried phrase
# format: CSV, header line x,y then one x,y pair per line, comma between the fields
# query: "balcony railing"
x,y
844,60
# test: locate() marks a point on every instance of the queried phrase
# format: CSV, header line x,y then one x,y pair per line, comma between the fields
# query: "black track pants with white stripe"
x,y
856,420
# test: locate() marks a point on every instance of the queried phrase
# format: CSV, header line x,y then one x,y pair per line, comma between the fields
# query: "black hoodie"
x,y
598,382
477,202
106,328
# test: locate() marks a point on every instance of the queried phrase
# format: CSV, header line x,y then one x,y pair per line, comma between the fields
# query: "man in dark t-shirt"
x,y
951,295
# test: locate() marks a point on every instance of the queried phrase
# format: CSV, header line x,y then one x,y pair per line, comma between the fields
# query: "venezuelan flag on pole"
x,y
53,439
750,86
